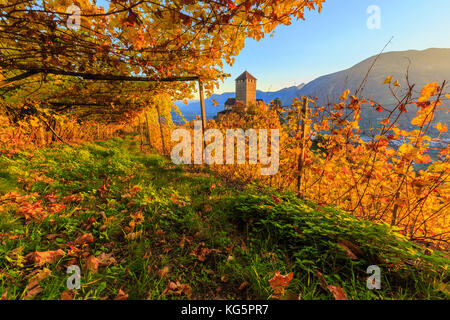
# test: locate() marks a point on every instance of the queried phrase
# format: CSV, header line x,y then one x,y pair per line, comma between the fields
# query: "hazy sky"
x,y
338,38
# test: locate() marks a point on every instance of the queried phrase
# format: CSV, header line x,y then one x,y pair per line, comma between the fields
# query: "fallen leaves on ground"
x,y
351,250
134,235
163,271
67,294
201,252
39,258
121,295
177,288
33,287
337,292
92,264
103,260
279,283
84,238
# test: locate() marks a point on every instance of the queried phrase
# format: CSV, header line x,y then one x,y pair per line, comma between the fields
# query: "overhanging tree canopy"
x,y
156,44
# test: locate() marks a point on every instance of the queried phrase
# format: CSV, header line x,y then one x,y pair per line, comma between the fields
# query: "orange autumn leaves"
x,y
39,258
28,207
428,91
279,284
391,174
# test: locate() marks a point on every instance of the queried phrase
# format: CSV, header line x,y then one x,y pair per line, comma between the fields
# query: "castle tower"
x,y
246,89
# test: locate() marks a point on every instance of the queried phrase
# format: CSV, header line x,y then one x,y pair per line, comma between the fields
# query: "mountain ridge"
x,y
423,66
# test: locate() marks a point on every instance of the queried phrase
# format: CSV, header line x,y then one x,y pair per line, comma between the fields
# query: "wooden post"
x,y
202,107
301,157
161,129
148,130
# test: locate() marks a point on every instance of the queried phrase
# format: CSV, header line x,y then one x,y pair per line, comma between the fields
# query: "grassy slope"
x,y
221,242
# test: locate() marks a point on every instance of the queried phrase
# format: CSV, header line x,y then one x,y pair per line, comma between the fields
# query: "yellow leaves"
x,y
396,83
387,80
406,149
345,95
279,283
428,91
15,257
34,122
399,132
424,116
441,127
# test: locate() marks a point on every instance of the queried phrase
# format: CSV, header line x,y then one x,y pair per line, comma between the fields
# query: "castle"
x,y
245,96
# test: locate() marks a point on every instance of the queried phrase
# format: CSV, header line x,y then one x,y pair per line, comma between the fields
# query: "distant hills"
x,y
431,65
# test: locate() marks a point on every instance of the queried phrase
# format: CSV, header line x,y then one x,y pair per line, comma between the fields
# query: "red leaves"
x,y
276,199
279,283
231,5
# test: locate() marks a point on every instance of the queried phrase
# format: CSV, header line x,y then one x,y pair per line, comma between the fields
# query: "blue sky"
x,y
338,38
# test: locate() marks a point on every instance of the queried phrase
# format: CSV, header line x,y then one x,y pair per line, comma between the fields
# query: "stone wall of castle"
x,y
246,91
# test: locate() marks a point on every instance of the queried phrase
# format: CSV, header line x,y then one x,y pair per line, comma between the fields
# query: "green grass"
x,y
248,235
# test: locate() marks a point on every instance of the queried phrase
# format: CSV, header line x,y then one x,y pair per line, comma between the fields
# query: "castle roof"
x,y
245,75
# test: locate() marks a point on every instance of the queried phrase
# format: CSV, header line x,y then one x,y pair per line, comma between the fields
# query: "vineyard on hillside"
x,y
88,181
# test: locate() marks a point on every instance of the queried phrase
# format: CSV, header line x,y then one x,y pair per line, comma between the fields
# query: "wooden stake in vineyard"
x,y
140,130
148,131
301,157
161,129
